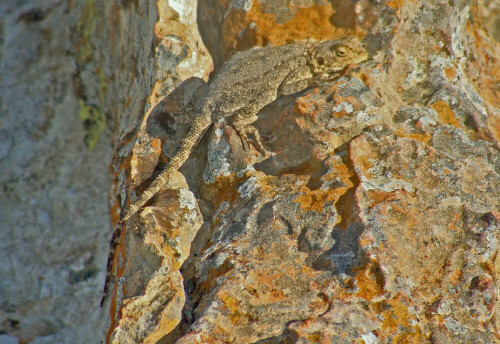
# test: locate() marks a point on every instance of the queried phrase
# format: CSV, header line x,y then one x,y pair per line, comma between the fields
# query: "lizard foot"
x,y
243,130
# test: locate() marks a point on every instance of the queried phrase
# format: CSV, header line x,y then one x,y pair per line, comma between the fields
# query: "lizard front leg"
x,y
301,79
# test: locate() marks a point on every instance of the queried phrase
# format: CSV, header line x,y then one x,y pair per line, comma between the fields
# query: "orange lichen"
x,y
315,200
425,138
456,224
232,305
397,318
395,4
222,189
483,69
494,126
306,107
370,280
308,23
450,73
267,287
445,113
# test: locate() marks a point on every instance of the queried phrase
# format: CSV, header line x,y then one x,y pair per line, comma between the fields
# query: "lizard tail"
x,y
188,143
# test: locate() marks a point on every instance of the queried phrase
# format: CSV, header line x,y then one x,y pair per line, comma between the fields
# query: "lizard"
x,y
247,82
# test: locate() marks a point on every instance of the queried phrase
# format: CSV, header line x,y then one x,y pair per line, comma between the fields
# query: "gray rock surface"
x,y
77,77
67,74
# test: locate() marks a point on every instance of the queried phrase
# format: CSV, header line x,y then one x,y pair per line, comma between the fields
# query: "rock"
x,y
5,339
376,220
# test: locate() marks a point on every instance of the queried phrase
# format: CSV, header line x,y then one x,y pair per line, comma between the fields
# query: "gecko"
x,y
246,83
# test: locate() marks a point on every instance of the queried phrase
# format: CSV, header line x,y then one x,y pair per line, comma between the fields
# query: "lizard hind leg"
x,y
242,124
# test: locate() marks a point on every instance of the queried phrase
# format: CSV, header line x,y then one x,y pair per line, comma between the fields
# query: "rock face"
x,y
376,220
71,73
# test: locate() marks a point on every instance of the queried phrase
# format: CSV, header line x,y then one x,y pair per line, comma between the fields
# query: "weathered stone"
x,y
376,220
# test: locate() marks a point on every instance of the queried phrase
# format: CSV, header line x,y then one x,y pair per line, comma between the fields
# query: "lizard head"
x,y
334,56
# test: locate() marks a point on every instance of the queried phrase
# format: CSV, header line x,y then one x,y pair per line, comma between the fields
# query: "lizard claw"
x,y
242,132
245,142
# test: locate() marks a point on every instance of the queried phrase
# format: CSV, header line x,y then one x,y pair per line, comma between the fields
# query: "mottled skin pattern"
x,y
246,83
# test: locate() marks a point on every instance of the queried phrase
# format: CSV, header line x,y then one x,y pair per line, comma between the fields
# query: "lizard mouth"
x,y
347,68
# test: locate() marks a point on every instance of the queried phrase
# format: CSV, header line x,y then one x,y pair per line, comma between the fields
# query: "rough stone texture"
x,y
489,12
70,73
376,221
149,251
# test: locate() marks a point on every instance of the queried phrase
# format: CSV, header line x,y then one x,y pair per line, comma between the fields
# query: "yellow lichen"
x,y
94,123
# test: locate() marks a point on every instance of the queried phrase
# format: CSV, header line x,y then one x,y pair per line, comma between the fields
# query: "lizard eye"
x,y
341,51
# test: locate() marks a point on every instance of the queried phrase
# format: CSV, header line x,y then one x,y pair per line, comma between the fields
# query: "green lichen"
x,y
94,123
